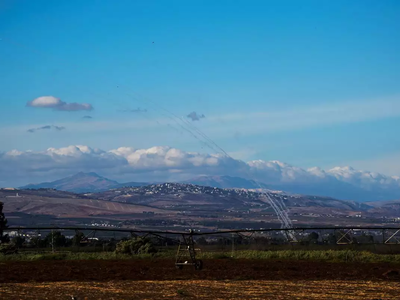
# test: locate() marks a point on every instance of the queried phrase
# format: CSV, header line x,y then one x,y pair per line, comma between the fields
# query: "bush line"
x,y
299,255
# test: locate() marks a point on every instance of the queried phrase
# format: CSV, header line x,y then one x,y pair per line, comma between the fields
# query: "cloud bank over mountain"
x,y
170,164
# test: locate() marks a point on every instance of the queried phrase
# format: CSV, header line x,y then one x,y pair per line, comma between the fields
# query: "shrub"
x,y
135,246
221,256
49,256
18,241
8,249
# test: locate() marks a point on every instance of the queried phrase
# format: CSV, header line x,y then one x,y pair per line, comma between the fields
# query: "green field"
x,y
309,255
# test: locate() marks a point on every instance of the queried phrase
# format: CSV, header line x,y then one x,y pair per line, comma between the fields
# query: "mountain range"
x,y
82,183
92,182
166,164
325,186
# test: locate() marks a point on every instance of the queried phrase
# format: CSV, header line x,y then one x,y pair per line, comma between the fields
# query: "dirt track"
x,y
220,279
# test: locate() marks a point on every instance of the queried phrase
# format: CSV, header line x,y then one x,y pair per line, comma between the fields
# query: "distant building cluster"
x,y
177,189
101,224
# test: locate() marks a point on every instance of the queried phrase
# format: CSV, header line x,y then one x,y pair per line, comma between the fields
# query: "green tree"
x,y
78,237
18,241
8,249
3,225
56,239
201,241
365,239
37,242
136,245
313,238
330,239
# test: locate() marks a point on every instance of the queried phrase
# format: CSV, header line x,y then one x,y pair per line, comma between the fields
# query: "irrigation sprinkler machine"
x,y
186,254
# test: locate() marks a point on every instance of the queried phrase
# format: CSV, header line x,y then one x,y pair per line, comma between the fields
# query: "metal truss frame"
x,y
345,237
394,238
186,254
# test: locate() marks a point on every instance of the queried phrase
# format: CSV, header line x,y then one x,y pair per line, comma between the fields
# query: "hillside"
x,y
322,186
41,206
173,193
177,204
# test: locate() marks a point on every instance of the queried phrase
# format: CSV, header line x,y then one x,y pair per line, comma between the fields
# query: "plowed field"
x,y
220,279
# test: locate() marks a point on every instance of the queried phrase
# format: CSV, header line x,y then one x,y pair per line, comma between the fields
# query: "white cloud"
x,y
170,164
75,106
227,125
56,104
165,158
365,179
194,116
45,101
15,165
387,164
46,127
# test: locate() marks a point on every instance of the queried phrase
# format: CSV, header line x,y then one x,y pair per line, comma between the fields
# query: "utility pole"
x,y
52,240
37,239
233,245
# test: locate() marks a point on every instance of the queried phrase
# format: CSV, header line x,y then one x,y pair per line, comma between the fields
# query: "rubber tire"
x,y
199,265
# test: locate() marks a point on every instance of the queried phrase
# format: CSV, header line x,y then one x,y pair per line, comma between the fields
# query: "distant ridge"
x,y
325,186
92,182
78,183
83,183
226,182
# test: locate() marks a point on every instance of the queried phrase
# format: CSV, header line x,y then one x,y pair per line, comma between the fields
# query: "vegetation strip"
x,y
314,255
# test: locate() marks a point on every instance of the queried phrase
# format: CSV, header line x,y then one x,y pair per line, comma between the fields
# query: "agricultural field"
x,y
220,279
203,289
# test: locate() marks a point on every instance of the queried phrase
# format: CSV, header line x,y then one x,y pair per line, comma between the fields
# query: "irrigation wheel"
x,y
198,264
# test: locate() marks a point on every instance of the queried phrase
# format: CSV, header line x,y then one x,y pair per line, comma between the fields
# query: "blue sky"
x,y
310,83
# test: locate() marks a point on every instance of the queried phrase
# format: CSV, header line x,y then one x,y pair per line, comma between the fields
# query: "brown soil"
x,y
214,269
220,279
203,289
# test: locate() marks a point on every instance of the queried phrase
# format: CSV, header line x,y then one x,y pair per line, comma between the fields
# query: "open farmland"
x,y
220,279
203,289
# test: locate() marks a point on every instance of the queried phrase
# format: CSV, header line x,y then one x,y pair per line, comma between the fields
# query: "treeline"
x,y
312,238
53,239
57,241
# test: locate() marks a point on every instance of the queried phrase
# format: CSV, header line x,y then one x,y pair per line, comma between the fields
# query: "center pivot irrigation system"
x,y
186,255
187,252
